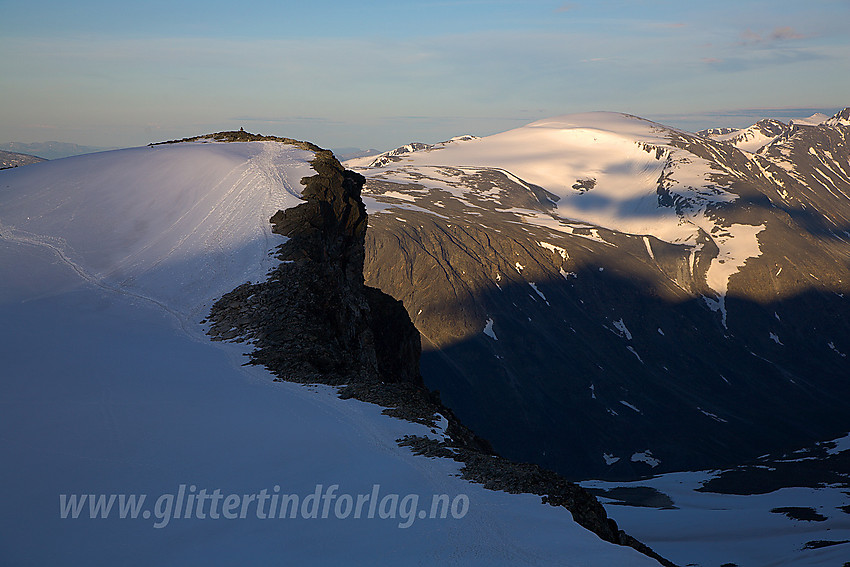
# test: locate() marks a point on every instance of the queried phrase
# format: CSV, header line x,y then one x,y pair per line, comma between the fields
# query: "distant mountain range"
x,y
611,297
50,150
343,154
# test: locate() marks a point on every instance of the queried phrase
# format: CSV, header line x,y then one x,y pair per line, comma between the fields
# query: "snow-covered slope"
x,y
619,157
108,386
602,169
179,225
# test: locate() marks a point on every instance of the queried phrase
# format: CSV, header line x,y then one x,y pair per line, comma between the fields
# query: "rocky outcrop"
x,y
498,473
314,321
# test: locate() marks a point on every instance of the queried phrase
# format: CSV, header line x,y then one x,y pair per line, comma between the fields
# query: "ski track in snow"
x,y
235,191
59,248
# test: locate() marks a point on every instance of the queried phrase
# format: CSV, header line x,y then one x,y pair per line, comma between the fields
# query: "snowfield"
x,y
176,224
108,385
705,529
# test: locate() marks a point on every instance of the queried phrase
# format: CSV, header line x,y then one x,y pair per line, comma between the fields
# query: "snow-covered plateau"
x,y
109,386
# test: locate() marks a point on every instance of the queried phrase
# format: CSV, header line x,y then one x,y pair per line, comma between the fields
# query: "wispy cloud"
x,y
764,58
567,7
784,34
778,35
340,79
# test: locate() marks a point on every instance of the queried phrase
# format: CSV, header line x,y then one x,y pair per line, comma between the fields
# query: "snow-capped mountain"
x,y
111,387
750,139
813,120
613,297
840,119
394,155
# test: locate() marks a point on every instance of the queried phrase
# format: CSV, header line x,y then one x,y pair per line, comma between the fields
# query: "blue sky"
x,y
380,74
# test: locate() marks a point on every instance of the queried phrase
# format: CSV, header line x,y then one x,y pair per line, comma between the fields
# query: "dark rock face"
x,y
603,354
314,321
397,343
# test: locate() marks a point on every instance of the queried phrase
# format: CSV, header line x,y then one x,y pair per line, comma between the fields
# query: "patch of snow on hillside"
x,y
555,249
841,444
621,326
645,457
832,347
737,243
399,195
610,459
648,247
712,416
538,292
376,206
488,330
632,350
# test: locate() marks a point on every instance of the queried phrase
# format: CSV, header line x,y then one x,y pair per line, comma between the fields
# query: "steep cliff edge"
x,y
314,321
